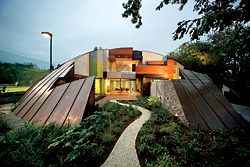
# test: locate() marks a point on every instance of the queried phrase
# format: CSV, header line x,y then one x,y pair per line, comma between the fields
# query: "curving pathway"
x,y
124,153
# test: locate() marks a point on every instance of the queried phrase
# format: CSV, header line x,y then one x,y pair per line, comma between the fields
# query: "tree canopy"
x,y
232,51
214,15
224,57
24,74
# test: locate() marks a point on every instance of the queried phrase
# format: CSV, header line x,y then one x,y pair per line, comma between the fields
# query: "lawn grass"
x,y
17,88
87,144
164,141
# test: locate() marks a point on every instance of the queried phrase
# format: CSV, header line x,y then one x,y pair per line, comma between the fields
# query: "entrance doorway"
x,y
123,86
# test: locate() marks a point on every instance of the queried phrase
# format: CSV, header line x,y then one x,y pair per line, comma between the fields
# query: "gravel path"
x,y
124,153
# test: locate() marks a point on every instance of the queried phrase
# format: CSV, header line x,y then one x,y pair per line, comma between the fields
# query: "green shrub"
x,y
131,111
50,145
163,161
27,145
148,138
107,137
153,101
142,101
119,123
164,141
97,151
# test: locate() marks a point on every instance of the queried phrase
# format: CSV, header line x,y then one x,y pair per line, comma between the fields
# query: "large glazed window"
x,y
124,86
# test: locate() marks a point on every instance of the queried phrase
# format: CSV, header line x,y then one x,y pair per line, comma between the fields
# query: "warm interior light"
x,y
46,34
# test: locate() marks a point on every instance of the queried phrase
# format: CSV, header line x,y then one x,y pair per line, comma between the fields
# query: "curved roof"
x,y
153,52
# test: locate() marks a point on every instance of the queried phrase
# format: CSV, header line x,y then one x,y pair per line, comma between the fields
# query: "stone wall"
x,y
165,91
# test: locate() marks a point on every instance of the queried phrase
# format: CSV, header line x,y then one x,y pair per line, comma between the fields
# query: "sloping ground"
x,y
55,100
204,105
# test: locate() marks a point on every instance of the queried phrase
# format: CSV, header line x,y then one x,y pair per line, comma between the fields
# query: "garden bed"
x,y
87,144
164,141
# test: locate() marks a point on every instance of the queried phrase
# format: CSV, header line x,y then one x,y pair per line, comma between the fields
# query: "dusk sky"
x,y
80,25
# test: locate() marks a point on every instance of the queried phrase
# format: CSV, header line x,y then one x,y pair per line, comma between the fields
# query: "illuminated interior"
x,y
122,86
125,71
122,65
97,86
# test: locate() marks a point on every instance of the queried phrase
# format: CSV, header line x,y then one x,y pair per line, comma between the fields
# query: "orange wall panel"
x,y
153,69
157,62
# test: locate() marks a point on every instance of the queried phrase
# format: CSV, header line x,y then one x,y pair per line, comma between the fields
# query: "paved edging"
x,y
124,152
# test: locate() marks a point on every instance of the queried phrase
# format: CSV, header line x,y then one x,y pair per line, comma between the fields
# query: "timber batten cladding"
x,y
204,105
58,98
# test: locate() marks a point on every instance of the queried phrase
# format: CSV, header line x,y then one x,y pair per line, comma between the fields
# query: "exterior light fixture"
x,y
49,35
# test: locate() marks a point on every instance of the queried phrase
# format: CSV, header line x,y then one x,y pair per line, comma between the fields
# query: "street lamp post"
x,y
49,35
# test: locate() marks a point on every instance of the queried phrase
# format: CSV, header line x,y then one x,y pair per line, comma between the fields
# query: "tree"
x,y
200,56
224,57
31,76
24,74
228,52
215,15
189,55
232,51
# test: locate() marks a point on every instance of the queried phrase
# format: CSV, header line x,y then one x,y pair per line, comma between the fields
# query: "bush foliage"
x,y
163,141
24,74
50,145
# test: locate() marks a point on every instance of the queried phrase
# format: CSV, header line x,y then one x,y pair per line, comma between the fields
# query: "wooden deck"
x,y
204,105
63,104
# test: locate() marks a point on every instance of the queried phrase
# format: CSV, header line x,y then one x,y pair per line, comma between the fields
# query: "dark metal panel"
x,y
222,99
36,93
31,89
210,96
67,71
182,74
42,82
201,76
192,114
48,106
63,107
31,93
29,102
188,74
32,111
206,112
77,111
219,109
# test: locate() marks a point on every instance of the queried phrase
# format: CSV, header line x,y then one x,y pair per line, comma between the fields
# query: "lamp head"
x,y
46,34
